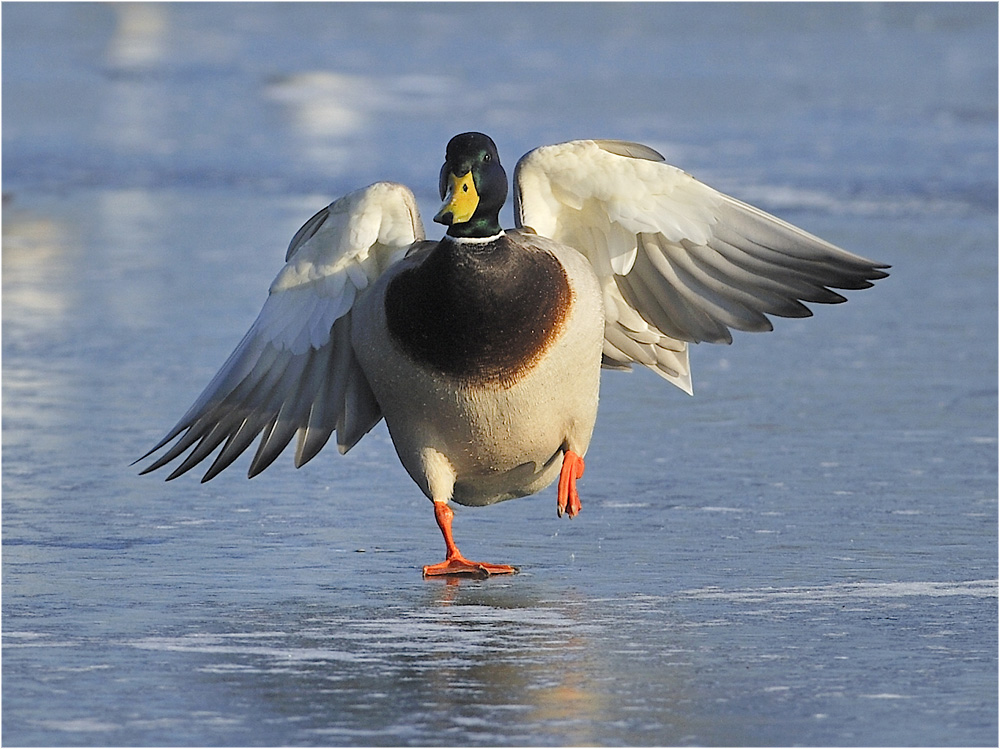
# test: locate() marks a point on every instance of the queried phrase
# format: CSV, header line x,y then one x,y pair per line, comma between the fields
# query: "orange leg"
x,y
568,498
455,563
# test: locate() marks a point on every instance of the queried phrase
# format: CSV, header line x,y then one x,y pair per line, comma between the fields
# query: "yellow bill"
x,y
460,202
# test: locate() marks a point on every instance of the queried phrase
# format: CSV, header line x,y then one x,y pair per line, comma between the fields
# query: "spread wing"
x,y
295,371
679,262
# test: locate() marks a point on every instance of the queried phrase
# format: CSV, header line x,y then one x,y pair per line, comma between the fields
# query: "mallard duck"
x,y
483,350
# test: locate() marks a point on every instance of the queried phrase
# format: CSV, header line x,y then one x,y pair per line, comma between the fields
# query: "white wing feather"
x,y
295,372
679,262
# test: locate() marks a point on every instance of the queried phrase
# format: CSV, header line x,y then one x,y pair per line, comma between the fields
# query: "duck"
x,y
483,350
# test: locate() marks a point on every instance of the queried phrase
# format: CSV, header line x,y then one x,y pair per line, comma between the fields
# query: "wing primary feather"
x,y
284,403
696,324
255,466
768,231
178,428
319,422
211,418
239,440
307,231
217,391
815,271
190,437
211,440
241,409
245,359
302,385
638,296
361,411
812,257
274,440
313,438
765,272
763,294
721,306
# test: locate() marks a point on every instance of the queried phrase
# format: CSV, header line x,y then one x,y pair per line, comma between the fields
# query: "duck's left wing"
x,y
679,262
295,370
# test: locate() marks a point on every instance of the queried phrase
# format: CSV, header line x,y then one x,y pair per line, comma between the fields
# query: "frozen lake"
x,y
803,553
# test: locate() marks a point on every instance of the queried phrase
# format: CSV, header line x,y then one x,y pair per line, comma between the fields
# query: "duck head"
x,y
473,186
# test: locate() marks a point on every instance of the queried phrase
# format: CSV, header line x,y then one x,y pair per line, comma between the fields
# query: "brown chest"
x,y
482,313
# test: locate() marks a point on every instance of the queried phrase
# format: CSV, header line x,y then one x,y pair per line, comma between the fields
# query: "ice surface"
x,y
803,553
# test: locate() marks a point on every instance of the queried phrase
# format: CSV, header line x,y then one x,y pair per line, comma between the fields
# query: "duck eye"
x,y
487,157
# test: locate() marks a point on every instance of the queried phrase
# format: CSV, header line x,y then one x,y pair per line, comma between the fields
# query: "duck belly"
x,y
493,444
478,442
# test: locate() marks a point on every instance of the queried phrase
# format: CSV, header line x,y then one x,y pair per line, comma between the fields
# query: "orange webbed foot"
x,y
462,566
568,500
455,563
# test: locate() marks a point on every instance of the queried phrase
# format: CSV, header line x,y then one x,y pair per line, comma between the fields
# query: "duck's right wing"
x,y
295,371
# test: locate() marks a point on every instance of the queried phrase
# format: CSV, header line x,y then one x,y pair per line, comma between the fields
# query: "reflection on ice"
x,y
331,111
34,248
139,39
132,110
